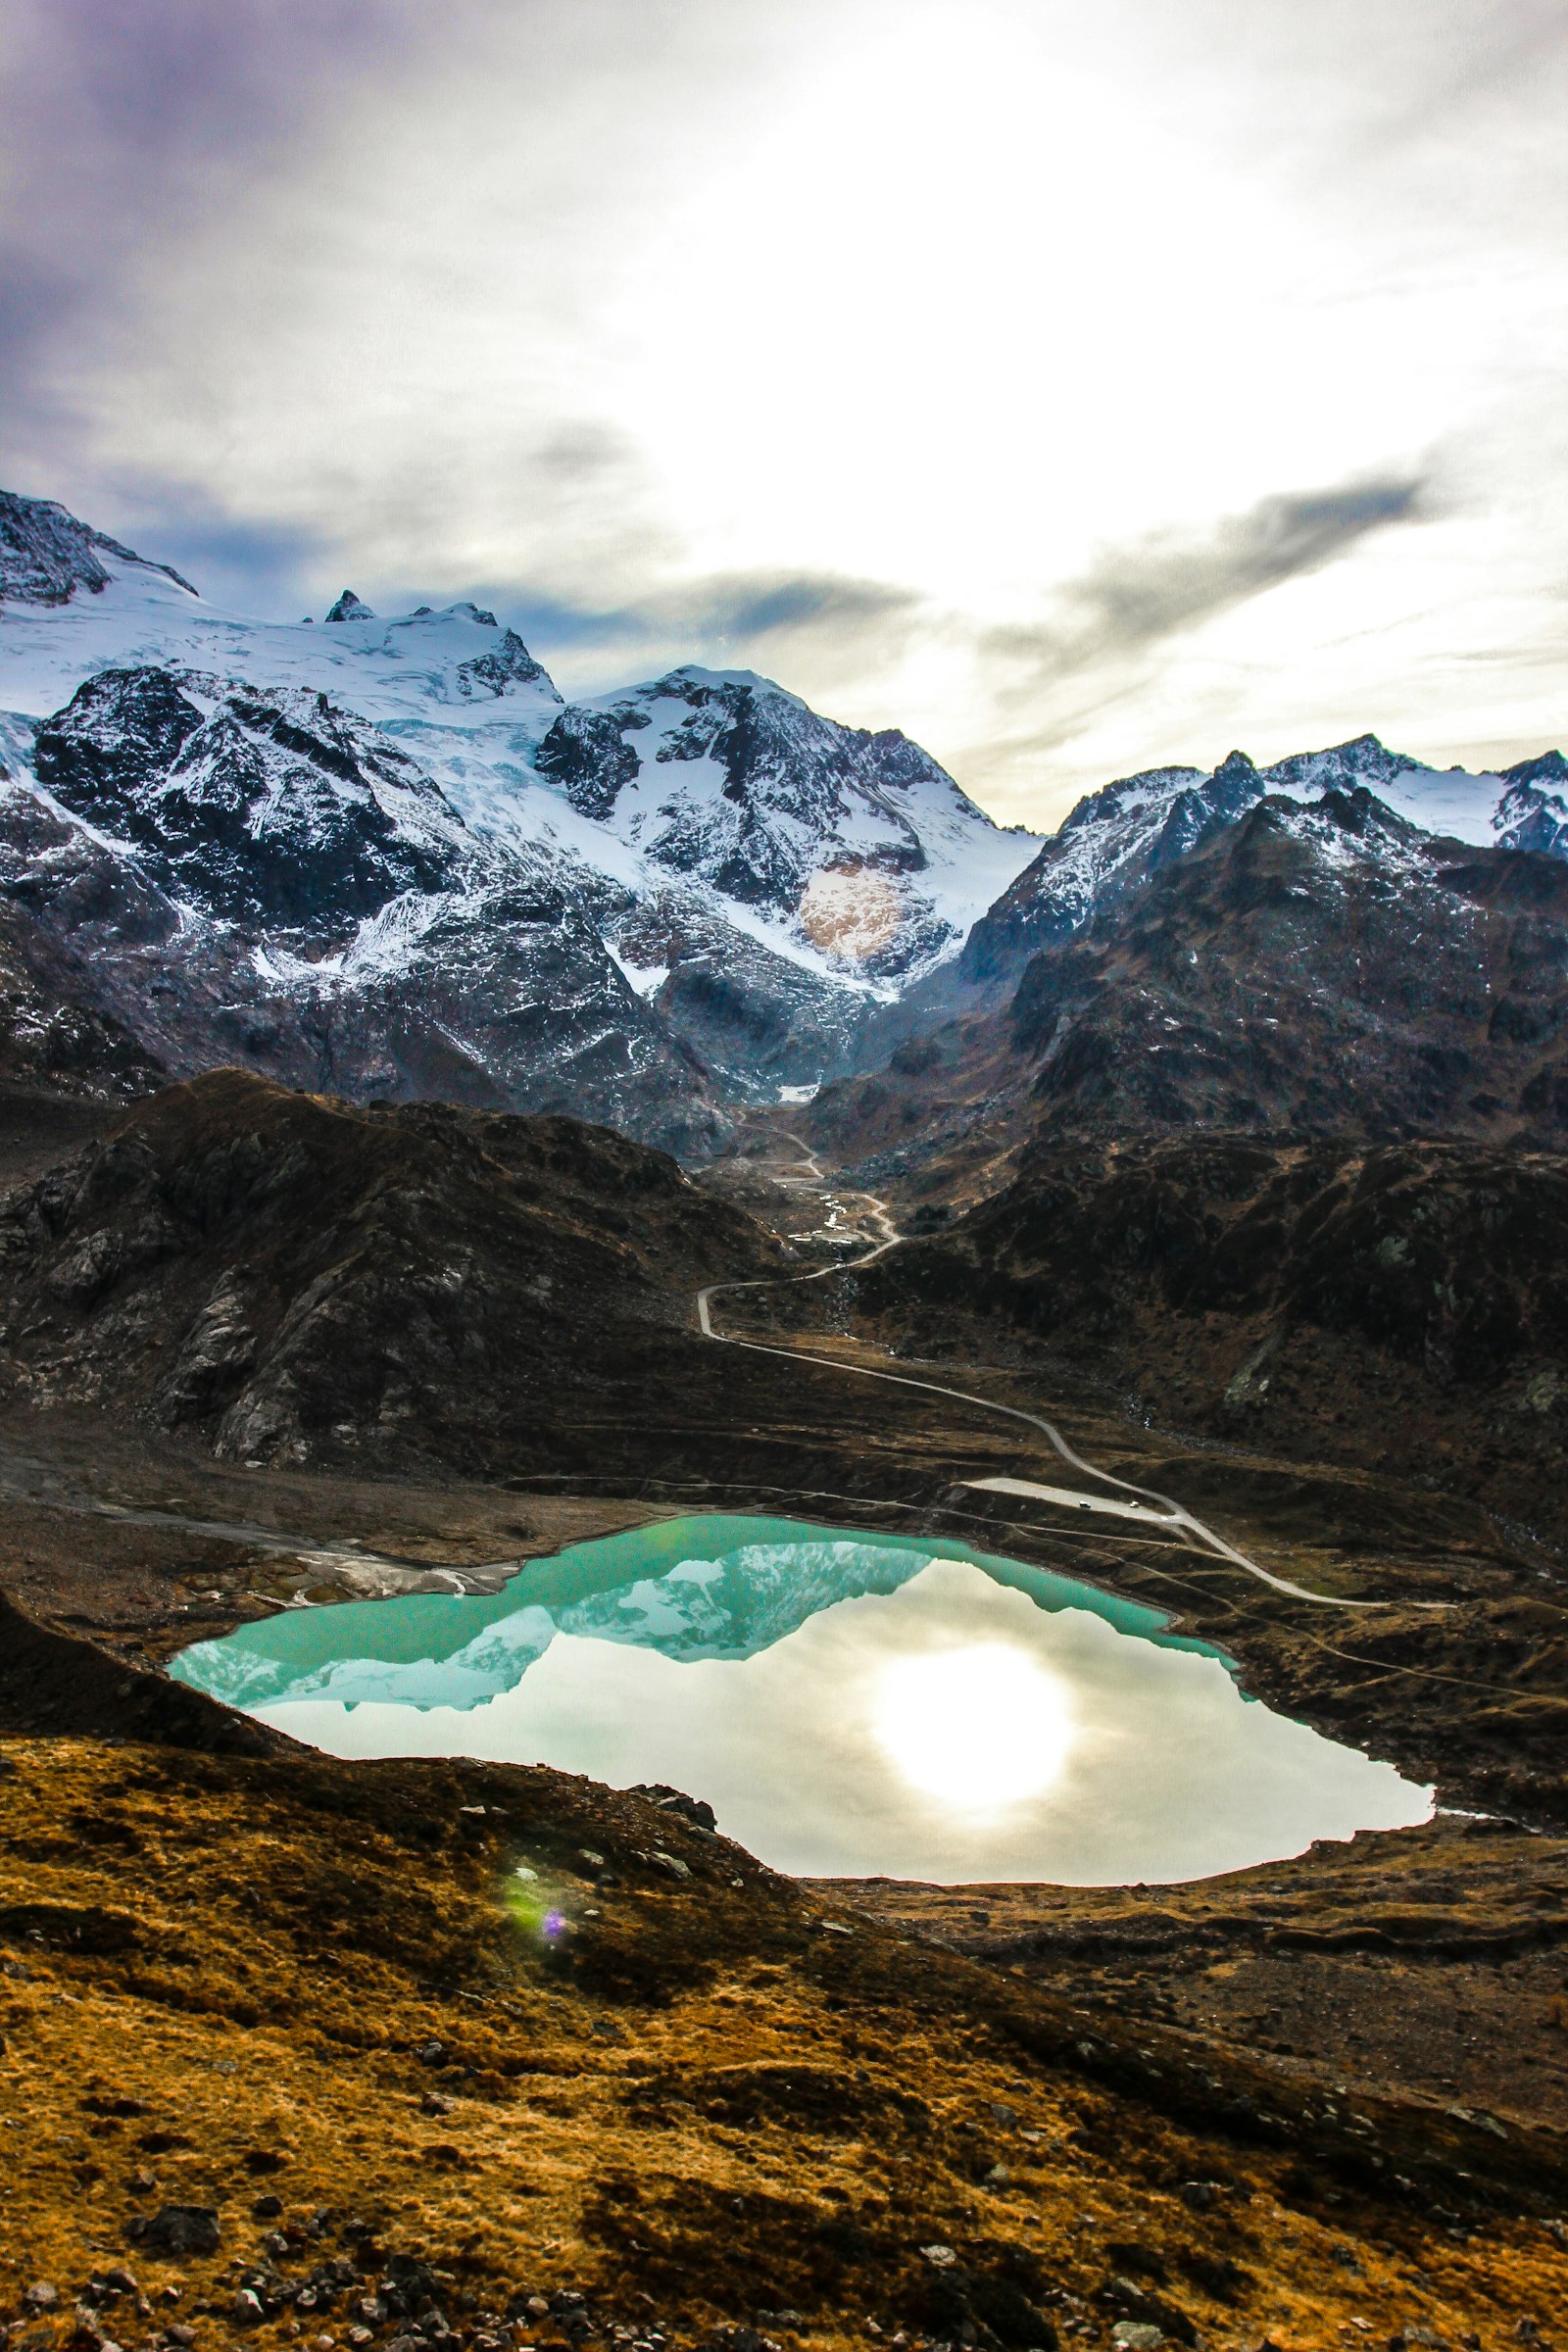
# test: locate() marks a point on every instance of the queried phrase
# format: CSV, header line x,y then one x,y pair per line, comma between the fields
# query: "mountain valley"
x,y
441,1123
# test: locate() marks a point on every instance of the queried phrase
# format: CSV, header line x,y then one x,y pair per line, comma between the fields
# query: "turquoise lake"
x,y
849,1704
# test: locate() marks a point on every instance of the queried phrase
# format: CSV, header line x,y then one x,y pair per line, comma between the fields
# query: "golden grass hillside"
x,y
434,2053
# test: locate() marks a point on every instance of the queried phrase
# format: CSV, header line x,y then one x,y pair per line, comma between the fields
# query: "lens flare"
x,y
980,1728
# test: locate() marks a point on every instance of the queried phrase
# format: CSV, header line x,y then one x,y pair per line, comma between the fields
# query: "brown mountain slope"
x,y
1400,1308
288,1275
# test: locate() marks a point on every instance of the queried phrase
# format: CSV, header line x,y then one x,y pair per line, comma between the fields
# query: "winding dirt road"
x,y
806,1174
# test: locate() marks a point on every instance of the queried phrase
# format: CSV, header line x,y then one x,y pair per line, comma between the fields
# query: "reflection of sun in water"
x,y
851,915
978,1727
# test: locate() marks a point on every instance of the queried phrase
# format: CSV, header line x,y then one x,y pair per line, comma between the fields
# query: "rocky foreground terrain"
x,y
294,2051
290,2045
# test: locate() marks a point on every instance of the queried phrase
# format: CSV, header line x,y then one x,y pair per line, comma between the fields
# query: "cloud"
x,y
739,607
240,561
1132,598
128,121
729,619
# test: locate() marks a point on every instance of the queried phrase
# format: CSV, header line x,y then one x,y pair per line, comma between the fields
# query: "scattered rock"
x,y
41,2296
1135,2302
177,2230
694,1809
940,2257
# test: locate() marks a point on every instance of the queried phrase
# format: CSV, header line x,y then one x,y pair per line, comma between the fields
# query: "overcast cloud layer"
x,y
1081,387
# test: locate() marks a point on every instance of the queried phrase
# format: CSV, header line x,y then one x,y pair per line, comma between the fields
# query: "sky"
x,y
1081,385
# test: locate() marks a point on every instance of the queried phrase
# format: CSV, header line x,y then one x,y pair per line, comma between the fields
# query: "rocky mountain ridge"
x,y
382,856
1307,968
1394,1307
292,1276
277,811
1118,838
46,554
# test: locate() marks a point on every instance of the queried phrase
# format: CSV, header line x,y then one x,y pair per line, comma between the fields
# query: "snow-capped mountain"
x,y
725,876
859,841
1115,839
107,608
1316,965
275,810
46,554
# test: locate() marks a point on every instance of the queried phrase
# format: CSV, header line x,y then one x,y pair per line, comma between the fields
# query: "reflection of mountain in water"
x,y
729,1607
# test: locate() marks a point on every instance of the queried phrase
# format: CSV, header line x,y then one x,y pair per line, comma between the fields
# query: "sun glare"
x,y
979,1728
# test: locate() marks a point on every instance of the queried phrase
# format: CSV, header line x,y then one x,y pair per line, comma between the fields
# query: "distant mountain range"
x,y
384,858
1118,838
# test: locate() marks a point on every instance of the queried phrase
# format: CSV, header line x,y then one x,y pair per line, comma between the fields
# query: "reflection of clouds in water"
x,y
1171,1774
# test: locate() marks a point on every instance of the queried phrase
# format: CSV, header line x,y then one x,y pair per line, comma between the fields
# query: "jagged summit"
x,y
46,554
332,854
1119,837
857,845
350,606
1547,767
274,810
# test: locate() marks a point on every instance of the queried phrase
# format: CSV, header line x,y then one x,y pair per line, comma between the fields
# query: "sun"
x,y
978,1728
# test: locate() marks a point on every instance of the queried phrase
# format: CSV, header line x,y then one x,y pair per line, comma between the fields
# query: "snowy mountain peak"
x,y
1118,837
1547,769
1362,760
46,554
350,606
267,809
856,845
389,839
